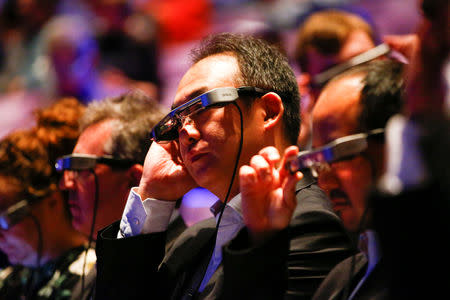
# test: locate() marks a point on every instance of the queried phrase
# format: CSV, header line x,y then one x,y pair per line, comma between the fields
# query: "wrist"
x,y
146,191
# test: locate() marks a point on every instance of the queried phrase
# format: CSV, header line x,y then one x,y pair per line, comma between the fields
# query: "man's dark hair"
x,y
133,115
262,66
382,94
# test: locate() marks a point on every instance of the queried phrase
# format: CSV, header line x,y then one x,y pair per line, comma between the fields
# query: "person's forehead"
x,y
93,139
357,42
336,113
220,70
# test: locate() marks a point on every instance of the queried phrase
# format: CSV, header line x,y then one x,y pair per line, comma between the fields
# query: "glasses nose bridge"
x,y
186,120
186,124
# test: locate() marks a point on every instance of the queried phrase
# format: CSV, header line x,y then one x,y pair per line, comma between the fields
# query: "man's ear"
x,y
273,109
134,174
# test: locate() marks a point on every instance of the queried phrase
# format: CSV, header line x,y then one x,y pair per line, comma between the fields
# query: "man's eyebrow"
x,y
191,96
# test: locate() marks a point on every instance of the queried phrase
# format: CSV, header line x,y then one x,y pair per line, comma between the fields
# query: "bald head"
x,y
337,110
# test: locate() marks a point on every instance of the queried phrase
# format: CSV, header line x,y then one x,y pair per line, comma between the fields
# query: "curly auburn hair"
x,y
27,157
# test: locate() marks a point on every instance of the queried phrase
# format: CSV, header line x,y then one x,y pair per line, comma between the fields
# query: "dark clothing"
x,y
138,267
347,274
176,226
414,229
54,280
414,225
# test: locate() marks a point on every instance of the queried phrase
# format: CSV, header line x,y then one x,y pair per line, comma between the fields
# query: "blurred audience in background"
x,y
412,209
96,49
325,39
47,255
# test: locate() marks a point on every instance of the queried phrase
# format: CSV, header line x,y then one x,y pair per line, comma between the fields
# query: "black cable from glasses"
x,y
29,289
241,142
193,290
91,234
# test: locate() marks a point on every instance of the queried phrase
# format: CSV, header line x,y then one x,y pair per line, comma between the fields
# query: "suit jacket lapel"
x,y
350,280
183,259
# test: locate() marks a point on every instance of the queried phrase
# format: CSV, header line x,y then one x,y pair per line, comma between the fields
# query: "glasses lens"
x,y
14,214
166,130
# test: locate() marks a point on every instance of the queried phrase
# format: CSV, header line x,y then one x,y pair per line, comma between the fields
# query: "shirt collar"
x,y
372,248
235,203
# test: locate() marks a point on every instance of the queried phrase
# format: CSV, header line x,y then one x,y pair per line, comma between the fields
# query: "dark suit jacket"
x,y
138,267
176,226
347,274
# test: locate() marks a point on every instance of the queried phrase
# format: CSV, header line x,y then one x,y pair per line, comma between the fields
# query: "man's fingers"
x,y
289,189
262,168
290,153
271,155
247,176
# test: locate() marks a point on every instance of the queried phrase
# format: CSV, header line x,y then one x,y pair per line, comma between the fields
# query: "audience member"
x,y
355,102
402,253
205,146
324,39
360,100
21,24
116,128
412,209
46,253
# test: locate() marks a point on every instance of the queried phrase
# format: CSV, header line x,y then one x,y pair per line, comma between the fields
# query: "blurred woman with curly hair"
x,y
46,254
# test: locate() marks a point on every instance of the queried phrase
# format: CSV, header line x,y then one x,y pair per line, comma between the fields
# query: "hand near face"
x,y
268,192
405,44
164,176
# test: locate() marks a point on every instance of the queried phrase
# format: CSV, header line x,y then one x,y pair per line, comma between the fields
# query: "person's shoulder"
x,y
314,213
312,198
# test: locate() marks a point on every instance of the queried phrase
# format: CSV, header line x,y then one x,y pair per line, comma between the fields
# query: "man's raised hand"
x,y
268,192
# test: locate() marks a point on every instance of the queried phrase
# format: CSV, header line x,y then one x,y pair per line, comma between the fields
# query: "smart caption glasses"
x,y
80,162
322,78
340,149
167,129
14,214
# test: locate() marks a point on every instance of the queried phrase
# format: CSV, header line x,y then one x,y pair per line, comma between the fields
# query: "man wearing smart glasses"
x,y
239,96
348,138
106,162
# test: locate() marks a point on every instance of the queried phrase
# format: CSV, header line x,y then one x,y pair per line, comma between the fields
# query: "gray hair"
x,y
133,115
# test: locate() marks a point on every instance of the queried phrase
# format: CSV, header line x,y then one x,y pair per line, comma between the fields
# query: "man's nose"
x,y
189,133
67,181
